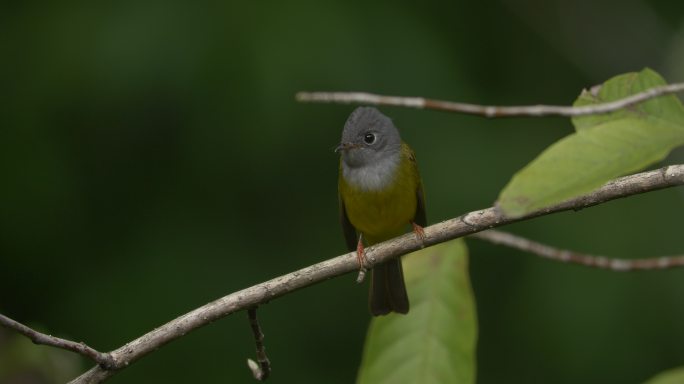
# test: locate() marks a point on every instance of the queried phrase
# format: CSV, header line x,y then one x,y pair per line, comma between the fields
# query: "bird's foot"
x,y
361,258
420,233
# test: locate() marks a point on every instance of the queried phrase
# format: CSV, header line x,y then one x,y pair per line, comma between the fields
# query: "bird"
x,y
380,196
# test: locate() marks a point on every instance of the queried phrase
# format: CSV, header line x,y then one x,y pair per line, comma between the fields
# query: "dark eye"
x,y
369,138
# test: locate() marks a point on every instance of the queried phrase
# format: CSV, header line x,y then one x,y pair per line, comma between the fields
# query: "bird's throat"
x,y
373,176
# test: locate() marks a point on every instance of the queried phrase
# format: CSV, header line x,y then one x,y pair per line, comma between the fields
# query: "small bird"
x,y
380,194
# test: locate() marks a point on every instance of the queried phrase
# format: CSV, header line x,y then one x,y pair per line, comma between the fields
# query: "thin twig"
x,y
464,225
566,256
485,110
103,359
262,367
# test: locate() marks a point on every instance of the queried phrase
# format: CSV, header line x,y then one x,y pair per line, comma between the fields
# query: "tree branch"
x,y
103,359
486,110
566,256
261,368
464,225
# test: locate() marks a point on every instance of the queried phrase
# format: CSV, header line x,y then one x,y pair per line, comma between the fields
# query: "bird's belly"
x,y
381,215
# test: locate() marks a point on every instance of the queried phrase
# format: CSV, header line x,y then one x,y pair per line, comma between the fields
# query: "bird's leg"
x,y
420,233
360,257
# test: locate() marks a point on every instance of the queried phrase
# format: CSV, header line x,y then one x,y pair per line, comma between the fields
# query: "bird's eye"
x,y
369,138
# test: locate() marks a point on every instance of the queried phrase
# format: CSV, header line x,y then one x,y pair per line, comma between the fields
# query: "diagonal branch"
x,y
103,359
485,110
566,256
464,225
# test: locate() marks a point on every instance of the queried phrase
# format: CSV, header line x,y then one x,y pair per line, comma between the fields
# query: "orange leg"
x,y
360,253
360,257
418,230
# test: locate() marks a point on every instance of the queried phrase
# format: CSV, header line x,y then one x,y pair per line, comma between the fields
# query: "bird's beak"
x,y
344,147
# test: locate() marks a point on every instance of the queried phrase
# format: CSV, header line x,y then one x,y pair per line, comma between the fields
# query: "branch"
x,y
261,368
486,110
464,225
566,256
103,359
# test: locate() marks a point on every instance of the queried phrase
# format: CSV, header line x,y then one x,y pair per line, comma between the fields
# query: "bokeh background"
x,y
153,158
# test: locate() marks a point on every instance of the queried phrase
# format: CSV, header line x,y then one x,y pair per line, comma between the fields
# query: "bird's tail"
x,y
388,290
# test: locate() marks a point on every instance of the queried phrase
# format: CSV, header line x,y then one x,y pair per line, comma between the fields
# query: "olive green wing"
x,y
347,228
420,217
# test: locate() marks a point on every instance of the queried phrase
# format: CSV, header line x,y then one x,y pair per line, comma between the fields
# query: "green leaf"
x,y
435,341
672,376
604,146
667,108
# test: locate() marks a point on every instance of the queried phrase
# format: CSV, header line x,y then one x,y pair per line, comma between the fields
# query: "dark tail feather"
x,y
388,291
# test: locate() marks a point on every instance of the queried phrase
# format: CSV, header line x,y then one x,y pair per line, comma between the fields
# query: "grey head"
x,y
370,149
368,138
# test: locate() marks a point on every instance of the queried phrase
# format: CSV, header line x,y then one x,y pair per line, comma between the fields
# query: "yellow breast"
x,y
382,214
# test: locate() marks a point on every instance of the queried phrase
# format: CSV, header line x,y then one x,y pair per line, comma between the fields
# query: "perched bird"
x,y
380,194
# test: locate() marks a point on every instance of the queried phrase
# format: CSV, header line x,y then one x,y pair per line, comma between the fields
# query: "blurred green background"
x,y
152,159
